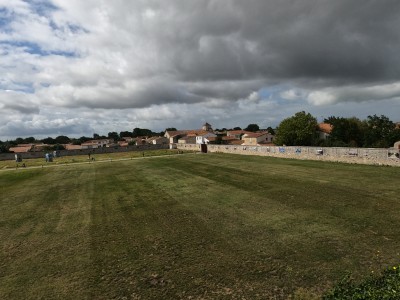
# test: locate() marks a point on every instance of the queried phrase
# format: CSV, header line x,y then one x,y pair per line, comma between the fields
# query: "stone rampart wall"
x,y
372,156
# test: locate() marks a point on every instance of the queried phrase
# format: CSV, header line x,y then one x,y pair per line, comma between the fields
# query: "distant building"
x,y
257,138
176,135
237,133
324,130
158,140
187,140
207,127
22,148
203,137
72,147
94,144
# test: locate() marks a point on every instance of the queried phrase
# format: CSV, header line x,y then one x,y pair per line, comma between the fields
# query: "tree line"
x,y
300,129
373,132
58,142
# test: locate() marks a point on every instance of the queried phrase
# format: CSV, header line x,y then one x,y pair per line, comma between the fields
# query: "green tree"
x,y
19,140
142,132
170,129
395,136
62,139
29,140
252,128
113,135
49,141
298,130
346,131
271,130
123,134
81,140
381,132
4,146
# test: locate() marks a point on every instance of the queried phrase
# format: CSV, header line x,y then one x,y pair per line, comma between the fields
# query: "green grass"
x,y
212,226
66,160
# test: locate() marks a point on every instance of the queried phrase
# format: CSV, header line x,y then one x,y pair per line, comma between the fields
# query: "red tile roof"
x,y
236,142
229,138
325,127
21,149
254,134
72,147
236,132
123,144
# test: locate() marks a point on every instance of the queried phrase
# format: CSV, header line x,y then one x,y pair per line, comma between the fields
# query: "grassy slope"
x,y
98,156
211,226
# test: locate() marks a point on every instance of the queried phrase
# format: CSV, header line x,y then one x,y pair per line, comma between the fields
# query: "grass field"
x,y
99,157
194,226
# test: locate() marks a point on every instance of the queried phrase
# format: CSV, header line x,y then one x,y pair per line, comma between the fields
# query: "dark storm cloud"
x,y
16,102
328,40
206,50
140,54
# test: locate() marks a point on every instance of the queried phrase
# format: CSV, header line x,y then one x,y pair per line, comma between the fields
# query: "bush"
x,y
384,286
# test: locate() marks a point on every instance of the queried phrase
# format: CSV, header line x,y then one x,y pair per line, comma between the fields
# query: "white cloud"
x,y
354,93
321,98
157,62
292,94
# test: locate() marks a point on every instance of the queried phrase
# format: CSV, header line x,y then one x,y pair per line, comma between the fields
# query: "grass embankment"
x,y
65,160
202,226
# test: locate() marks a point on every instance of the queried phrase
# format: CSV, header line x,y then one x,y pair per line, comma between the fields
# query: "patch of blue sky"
x,y
271,91
45,84
274,93
34,48
24,87
41,7
6,18
68,27
62,53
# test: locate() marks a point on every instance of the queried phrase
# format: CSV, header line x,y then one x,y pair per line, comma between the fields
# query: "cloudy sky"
x,y
73,67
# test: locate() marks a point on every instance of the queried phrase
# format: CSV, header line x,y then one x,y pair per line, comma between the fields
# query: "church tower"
x,y
206,127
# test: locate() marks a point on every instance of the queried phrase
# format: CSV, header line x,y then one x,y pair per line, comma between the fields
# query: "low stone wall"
x,y
370,156
11,156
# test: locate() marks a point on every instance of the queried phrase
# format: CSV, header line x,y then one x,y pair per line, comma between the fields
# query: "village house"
x,y
174,135
128,139
123,143
24,148
94,144
324,130
230,140
187,140
72,147
257,138
237,134
190,136
157,140
203,137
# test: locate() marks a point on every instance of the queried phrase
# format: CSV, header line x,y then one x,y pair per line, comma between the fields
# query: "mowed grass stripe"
x,y
211,226
45,251
165,238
